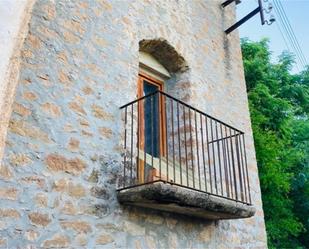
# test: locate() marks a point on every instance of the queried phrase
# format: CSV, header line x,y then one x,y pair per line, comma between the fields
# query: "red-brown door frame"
x,y
140,93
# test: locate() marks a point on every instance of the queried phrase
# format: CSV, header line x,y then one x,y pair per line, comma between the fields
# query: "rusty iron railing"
x,y
168,140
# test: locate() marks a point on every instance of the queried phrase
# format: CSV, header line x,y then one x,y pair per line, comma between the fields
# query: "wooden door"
x,y
152,126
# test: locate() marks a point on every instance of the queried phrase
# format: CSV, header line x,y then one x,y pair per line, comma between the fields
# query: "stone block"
x,y
39,219
56,162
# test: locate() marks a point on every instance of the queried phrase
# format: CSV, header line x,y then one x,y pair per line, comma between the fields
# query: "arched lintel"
x,y
165,53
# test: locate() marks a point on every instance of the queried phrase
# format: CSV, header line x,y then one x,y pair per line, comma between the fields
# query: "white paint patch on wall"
x,y
11,18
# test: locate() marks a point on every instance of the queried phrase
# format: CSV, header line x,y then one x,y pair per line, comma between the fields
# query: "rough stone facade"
x,y
79,63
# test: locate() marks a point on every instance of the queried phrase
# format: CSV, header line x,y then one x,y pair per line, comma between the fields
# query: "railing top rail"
x,y
139,99
183,103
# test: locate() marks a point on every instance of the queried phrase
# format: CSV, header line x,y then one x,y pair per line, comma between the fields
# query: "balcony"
x,y
181,160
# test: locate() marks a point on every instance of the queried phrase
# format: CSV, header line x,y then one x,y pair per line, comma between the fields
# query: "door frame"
x,y
162,121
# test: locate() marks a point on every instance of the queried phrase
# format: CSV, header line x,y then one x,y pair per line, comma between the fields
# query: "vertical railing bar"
x,y
208,153
125,147
233,163
203,151
243,168
185,131
228,169
173,138
247,173
138,127
179,145
197,151
151,121
131,173
219,158
229,163
239,168
166,137
191,143
225,163
214,157
144,125
160,100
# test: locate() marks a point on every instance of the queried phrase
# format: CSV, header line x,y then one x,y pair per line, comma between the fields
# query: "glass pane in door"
x,y
151,120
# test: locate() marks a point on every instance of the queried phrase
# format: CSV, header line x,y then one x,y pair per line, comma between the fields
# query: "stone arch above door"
x,y
165,53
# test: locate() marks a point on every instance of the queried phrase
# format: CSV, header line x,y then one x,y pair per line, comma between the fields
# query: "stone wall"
x,y
63,148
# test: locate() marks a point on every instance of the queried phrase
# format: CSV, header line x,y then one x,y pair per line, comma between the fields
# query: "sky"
x,y
297,12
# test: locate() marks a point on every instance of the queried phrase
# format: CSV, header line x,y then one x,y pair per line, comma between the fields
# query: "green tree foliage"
x,y
279,108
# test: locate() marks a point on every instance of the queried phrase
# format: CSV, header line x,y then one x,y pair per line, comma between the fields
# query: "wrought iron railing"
x,y
168,140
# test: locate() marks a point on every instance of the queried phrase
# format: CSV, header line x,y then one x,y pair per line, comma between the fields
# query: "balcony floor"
x,y
176,199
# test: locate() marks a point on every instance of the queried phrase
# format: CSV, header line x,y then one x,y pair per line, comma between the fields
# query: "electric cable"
x,y
289,33
293,33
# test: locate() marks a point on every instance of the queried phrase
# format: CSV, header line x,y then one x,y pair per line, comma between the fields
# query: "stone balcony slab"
x,y
176,199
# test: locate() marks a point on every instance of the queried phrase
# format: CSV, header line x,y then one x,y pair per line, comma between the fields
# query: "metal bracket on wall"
x,y
227,2
259,9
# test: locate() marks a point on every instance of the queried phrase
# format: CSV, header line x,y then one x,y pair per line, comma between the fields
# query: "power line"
x,y
285,41
288,32
284,21
293,34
